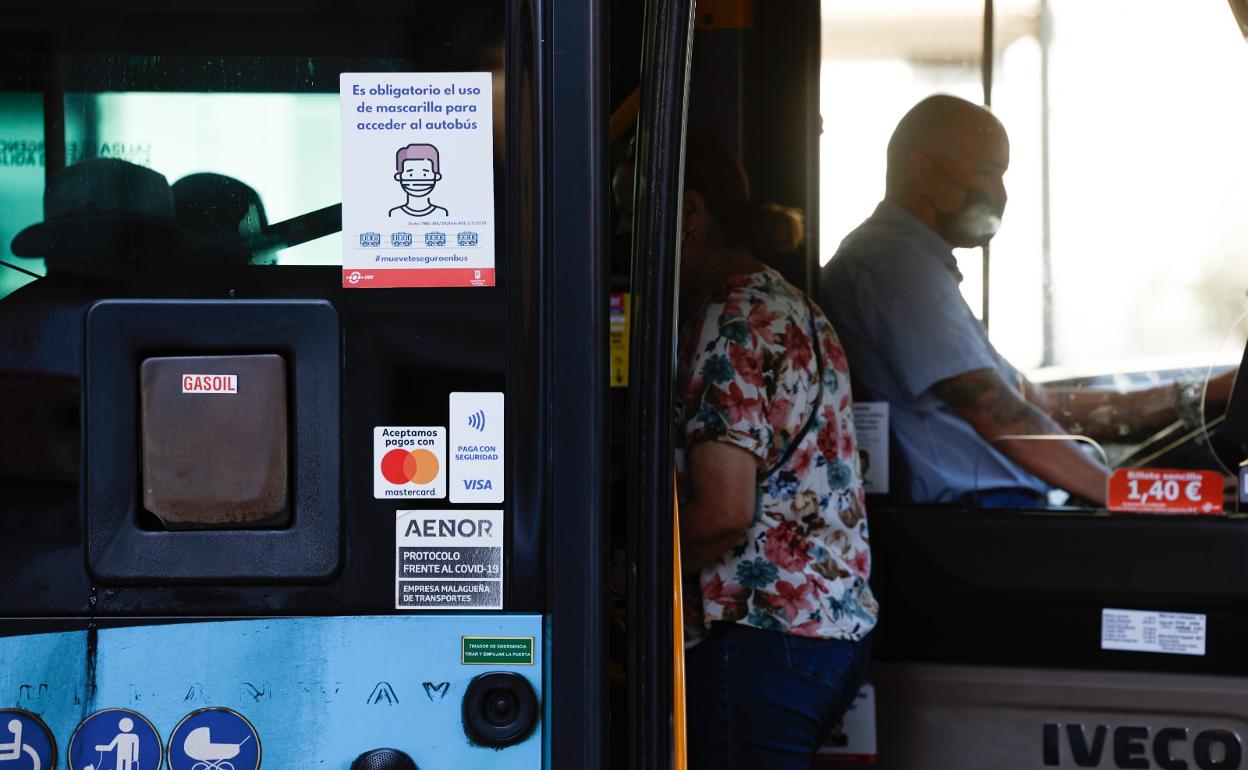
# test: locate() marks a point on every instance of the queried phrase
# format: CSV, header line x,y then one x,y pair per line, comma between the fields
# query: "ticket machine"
x,y
257,510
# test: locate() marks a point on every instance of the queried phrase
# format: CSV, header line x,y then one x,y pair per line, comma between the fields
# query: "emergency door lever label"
x,y
449,560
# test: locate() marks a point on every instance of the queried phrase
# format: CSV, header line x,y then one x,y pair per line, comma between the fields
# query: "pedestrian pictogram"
x,y
115,739
214,739
25,742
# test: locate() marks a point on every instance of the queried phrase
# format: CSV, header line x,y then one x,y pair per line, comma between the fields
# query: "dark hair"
x,y
712,170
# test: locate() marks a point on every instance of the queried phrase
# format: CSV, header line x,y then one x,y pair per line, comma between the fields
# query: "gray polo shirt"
x,y
892,294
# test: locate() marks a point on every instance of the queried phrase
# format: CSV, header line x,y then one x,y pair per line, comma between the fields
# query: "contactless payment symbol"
x,y
115,739
409,462
25,742
214,739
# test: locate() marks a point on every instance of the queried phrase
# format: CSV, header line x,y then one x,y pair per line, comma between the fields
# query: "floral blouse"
x,y
749,378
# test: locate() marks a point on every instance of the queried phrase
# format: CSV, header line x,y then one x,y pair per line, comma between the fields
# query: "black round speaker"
x,y
383,759
499,709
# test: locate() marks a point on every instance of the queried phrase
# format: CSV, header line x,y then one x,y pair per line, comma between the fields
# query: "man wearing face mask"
x,y
892,294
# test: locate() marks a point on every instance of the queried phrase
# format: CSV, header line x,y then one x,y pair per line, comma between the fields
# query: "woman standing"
x,y
774,527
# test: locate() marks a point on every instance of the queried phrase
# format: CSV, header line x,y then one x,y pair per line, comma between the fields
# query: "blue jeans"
x,y
762,699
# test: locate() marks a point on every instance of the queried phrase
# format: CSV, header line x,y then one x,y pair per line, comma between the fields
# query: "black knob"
x,y
499,709
383,759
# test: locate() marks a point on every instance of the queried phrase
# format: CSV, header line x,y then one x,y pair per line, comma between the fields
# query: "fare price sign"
x,y
1150,490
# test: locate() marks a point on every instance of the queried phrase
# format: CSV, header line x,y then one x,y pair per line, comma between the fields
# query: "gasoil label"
x,y
1177,633
210,383
449,560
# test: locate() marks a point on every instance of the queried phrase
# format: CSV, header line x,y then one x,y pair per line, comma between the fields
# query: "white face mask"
x,y
977,221
418,188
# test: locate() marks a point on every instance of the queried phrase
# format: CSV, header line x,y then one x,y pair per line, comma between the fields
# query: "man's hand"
x,y
1114,415
723,484
996,410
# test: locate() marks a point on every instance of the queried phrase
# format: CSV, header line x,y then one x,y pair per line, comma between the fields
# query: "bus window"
x,y
269,141
1096,279
21,179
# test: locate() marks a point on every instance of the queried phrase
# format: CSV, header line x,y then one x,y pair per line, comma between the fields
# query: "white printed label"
x,y
871,429
1177,633
409,462
476,456
449,560
417,179
210,383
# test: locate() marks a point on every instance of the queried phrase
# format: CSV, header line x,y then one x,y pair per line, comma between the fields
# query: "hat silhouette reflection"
x,y
103,215
223,219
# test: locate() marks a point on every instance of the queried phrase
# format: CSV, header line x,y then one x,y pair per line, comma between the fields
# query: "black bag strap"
x,y
814,409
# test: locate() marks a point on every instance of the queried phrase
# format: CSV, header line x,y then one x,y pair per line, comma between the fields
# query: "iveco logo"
x,y
1140,747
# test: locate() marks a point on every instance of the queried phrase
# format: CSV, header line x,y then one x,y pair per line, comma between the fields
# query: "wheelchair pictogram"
x,y
25,742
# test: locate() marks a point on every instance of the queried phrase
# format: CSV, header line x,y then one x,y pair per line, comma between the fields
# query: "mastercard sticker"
x,y
409,462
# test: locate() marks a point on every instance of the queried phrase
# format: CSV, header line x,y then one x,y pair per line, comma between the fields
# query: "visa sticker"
x,y
1152,490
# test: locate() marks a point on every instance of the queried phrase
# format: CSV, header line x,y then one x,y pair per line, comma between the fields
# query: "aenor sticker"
x,y
417,179
449,560
1176,633
1151,490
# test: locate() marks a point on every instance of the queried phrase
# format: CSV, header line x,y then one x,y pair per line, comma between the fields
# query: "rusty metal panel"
x,y
214,443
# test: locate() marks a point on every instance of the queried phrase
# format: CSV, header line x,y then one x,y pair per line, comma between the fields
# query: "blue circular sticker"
x,y
214,739
115,739
26,743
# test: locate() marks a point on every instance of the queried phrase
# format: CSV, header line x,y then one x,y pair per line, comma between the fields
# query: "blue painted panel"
x,y
319,691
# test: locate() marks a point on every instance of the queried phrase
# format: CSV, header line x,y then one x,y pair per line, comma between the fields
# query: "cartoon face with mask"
x,y
418,172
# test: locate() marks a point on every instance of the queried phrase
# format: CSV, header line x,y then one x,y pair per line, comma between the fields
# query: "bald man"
x,y
892,293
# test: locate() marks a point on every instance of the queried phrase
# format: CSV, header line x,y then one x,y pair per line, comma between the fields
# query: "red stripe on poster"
x,y
407,278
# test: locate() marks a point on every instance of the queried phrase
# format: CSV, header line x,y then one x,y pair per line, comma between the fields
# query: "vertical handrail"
x,y
987,60
679,724
1048,355
667,39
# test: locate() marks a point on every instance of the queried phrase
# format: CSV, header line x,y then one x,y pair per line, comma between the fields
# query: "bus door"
x,y
289,294
1068,636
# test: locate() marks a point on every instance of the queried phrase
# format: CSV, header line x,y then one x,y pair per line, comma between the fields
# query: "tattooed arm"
x,y
995,410
720,505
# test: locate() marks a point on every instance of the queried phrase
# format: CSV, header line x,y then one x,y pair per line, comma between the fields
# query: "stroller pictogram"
x,y
208,755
